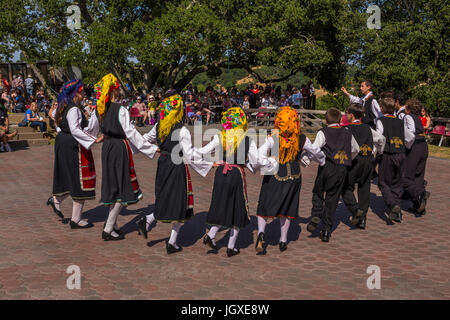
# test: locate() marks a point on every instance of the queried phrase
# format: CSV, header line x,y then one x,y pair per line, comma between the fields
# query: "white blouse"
x,y
85,136
190,154
137,142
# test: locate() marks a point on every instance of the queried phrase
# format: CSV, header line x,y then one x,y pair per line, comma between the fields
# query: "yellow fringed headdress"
x,y
288,124
102,89
234,124
170,113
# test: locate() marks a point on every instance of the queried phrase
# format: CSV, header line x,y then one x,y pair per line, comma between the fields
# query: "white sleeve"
x,y
269,165
74,121
379,127
409,122
255,161
137,142
409,137
354,99
266,146
313,152
319,142
376,109
93,127
355,148
151,135
379,142
210,147
401,116
190,154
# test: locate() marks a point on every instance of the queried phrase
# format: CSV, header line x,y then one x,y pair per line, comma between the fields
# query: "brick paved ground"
x,y
36,248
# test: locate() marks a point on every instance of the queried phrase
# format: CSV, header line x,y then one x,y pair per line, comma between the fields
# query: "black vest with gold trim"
x,y
363,135
338,145
394,131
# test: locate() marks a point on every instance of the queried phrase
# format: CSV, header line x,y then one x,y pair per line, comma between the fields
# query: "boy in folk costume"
x,y
229,203
174,198
74,169
120,187
416,159
280,192
340,148
370,142
390,169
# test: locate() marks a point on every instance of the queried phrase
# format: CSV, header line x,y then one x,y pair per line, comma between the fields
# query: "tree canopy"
x,y
167,43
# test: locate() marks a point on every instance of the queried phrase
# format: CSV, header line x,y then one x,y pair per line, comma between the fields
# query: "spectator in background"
x,y
245,103
296,98
139,105
19,101
7,101
425,119
254,96
34,120
29,85
5,135
4,86
312,93
305,95
151,109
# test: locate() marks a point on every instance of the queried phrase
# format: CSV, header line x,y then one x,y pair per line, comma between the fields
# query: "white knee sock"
x,y
150,218
261,224
284,223
212,233
173,236
58,199
77,209
233,237
114,211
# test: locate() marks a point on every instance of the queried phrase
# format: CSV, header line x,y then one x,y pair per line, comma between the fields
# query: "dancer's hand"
x,y
99,139
158,150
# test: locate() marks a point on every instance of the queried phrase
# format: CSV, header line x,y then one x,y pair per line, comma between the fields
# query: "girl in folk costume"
x,y
229,206
280,192
74,169
120,187
174,199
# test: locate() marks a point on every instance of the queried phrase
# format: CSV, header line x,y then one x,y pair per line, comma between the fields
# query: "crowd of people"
x,y
388,134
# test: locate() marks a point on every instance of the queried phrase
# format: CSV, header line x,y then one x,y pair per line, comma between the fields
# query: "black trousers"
x,y
327,191
359,174
390,172
414,174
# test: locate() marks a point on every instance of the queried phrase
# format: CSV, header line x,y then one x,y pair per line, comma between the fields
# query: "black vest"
x,y
110,124
171,141
363,135
240,155
394,131
419,134
338,145
64,125
399,113
292,170
369,116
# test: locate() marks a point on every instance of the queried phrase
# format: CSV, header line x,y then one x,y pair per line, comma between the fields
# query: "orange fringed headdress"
x,y
288,124
103,89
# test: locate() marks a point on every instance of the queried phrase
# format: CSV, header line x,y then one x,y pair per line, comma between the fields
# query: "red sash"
x,y
133,176
190,193
87,169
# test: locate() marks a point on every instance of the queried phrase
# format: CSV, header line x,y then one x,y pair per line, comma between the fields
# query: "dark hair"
x,y
333,115
387,94
356,109
414,106
387,105
400,97
368,83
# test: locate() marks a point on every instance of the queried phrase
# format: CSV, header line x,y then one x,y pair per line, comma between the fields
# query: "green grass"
x,y
438,152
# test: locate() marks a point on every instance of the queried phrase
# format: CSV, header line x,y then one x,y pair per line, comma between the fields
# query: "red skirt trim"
x,y
87,169
133,176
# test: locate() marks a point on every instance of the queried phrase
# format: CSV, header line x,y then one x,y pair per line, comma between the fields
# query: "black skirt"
x,y
280,193
229,206
67,178
119,182
173,191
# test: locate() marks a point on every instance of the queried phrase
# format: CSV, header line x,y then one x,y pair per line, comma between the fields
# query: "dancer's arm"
x,y
313,152
191,155
151,135
134,137
379,141
74,121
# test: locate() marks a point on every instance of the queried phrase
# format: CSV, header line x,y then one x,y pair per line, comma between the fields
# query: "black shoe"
x,y
325,235
208,241
362,223
232,252
396,214
51,202
357,217
74,225
423,202
312,225
142,227
260,242
172,249
108,236
118,231
283,246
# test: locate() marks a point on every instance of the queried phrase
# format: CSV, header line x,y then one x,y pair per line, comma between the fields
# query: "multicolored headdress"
x,y
234,128
102,90
288,124
170,113
68,91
